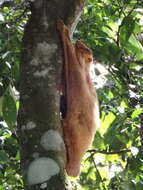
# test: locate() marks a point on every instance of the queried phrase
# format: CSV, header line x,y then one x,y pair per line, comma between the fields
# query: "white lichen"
x,y
30,125
45,22
23,127
43,73
43,52
35,155
36,146
40,170
35,61
52,140
46,50
43,185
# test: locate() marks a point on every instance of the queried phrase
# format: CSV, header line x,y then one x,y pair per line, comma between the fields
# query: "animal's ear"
x,y
82,47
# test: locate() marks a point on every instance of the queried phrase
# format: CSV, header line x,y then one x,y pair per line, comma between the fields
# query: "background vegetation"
x,y
113,30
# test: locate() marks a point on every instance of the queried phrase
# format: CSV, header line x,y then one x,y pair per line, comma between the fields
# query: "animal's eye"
x,y
89,59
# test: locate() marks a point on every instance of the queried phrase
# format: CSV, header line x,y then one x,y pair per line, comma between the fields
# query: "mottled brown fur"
x,y
82,116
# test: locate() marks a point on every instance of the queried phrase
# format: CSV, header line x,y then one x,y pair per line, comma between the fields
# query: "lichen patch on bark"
x,y
41,169
30,125
52,140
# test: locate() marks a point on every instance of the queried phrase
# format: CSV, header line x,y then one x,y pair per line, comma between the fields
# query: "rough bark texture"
x,y
40,133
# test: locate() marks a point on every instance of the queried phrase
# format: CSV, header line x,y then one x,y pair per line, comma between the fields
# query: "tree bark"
x,y
39,128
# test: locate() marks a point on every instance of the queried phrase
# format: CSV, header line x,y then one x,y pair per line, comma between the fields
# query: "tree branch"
x,y
106,152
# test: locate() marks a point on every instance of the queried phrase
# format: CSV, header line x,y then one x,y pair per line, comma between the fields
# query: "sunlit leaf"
x,y
136,113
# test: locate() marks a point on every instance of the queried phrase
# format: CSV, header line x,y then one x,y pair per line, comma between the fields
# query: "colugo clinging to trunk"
x,y
82,112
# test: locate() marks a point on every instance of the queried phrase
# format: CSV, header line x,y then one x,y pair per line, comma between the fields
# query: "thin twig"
x,y
109,152
98,173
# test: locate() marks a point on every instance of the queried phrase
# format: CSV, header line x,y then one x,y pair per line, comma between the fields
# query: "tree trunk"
x,y
40,133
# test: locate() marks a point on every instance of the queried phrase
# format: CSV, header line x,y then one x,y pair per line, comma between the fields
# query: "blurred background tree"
x,y
113,30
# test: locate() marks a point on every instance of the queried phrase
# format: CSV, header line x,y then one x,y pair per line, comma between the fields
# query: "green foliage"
x,y
12,21
9,110
112,29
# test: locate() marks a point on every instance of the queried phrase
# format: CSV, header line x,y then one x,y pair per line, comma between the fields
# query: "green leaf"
x,y
139,186
15,71
3,156
9,110
5,9
128,186
135,47
136,113
1,100
99,141
123,139
126,29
